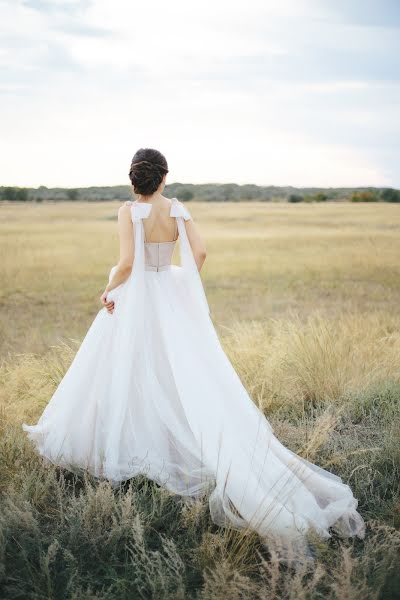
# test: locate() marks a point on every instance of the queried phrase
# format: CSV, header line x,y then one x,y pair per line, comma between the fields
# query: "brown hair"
x,y
148,167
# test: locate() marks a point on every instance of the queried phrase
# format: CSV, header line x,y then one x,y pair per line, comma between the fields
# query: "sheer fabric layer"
x,y
151,391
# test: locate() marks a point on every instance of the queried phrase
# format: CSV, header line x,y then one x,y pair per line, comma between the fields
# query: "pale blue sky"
x,y
288,92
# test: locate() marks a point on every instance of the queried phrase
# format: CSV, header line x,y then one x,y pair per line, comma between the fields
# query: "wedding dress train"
x,y
151,391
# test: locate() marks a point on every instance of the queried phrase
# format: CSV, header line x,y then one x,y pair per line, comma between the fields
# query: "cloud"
x,y
301,93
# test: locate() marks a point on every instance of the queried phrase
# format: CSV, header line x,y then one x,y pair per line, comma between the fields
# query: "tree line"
x,y
208,192
369,195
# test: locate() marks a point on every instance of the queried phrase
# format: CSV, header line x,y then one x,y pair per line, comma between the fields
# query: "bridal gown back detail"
x,y
151,391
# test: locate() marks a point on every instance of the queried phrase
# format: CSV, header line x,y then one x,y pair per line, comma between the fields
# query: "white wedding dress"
x,y
151,391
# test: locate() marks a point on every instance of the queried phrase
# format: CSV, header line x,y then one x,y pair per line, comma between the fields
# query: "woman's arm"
x,y
126,253
196,242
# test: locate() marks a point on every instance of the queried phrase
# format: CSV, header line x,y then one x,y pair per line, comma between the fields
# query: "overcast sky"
x,y
272,92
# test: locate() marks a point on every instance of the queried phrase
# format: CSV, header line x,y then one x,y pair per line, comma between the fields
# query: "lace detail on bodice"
x,y
158,255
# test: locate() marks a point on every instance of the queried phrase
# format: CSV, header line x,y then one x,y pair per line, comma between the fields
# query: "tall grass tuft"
x,y
64,535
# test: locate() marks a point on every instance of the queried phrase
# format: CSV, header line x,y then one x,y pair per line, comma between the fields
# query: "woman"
x,y
151,390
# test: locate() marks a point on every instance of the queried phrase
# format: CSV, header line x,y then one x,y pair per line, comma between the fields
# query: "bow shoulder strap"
x,y
188,263
139,211
179,210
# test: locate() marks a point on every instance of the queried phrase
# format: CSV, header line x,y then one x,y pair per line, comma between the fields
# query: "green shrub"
x,y
295,198
365,196
390,195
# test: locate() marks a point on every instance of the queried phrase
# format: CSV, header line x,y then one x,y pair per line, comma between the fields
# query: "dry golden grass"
x,y
305,298
264,260
289,362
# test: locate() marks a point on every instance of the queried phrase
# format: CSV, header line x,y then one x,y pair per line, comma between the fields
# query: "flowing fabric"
x,y
151,391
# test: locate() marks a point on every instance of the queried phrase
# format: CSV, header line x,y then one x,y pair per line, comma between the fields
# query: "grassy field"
x,y
305,298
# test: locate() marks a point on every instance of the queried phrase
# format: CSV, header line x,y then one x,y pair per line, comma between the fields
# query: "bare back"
x,y
160,226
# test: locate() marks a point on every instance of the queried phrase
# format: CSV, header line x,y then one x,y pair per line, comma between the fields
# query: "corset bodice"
x,y
158,255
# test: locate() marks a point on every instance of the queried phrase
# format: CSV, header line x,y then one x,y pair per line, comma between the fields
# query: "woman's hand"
x,y
109,305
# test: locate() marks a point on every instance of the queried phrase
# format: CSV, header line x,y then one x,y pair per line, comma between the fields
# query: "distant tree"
x,y
355,197
72,194
320,197
10,194
295,198
390,195
186,195
21,195
364,196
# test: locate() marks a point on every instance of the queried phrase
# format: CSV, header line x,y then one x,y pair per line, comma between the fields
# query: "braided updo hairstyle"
x,y
148,167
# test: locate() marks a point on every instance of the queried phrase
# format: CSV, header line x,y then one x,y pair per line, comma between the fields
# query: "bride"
x,y
151,390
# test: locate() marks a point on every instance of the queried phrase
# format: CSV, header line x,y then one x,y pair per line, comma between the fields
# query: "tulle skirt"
x,y
185,421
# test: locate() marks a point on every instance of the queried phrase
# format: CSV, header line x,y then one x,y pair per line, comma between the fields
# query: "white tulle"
x,y
151,391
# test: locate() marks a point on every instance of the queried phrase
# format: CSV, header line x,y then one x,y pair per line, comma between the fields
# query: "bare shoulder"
x,y
124,210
